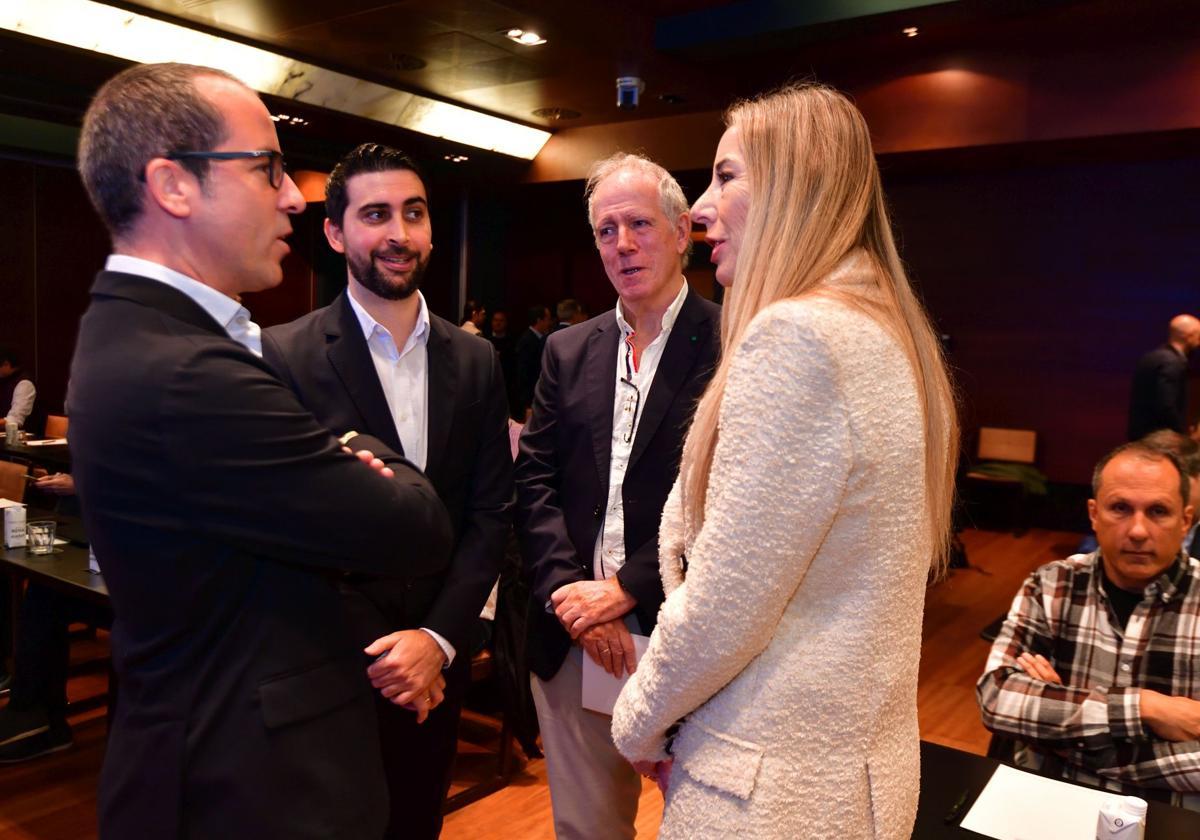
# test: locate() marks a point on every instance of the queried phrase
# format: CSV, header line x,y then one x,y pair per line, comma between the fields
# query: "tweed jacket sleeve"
x,y
779,472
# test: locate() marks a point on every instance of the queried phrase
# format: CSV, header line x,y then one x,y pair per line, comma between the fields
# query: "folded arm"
x,y
263,473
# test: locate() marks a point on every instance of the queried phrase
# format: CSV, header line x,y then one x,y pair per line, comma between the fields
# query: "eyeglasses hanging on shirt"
x,y
633,401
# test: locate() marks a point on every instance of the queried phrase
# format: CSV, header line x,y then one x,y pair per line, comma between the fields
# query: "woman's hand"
x,y
659,771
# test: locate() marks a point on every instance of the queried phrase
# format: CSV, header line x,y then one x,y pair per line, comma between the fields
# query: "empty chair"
x,y
1005,460
56,426
12,481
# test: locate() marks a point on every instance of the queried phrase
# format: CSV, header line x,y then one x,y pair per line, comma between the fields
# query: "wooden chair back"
x,y
1015,445
56,426
12,481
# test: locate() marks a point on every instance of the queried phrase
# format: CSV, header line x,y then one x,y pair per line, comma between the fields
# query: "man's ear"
x,y
171,187
1092,510
333,234
683,226
1189,514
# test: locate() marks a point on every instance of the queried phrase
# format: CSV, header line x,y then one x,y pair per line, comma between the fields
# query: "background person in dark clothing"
x,y
1158,398
529,358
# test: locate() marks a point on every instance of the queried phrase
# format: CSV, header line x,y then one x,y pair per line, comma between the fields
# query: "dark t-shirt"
x,y
1124,602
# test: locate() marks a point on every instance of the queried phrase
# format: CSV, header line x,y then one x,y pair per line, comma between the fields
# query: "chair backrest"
x,y
12,481
1016,445
56,426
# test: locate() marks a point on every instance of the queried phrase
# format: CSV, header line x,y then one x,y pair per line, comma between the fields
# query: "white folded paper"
x,y
1016,805
600,688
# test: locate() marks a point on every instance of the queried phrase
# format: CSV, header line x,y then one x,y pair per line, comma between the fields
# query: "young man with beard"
x,y
377,360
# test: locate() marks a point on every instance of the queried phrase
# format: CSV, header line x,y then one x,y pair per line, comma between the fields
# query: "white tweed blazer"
x,y
790,650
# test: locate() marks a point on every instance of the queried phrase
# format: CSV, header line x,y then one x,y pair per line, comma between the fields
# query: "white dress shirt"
x,y
226,311
22,403
628,408
404,376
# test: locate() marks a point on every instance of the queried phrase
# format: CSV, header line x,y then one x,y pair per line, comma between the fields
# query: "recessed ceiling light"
x,y
405,61
557,114
456,158
525,37
910,31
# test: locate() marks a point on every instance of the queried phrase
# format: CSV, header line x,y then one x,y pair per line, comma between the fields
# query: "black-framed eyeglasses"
x,y
634,401
275,158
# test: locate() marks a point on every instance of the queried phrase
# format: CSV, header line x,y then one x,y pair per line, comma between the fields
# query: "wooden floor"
x,y
54,798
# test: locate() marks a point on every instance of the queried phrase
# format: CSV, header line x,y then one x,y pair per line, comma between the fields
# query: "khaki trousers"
x,y
593,790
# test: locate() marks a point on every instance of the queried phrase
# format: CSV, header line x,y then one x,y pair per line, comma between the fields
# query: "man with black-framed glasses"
x,y
270,162
596,463
220,510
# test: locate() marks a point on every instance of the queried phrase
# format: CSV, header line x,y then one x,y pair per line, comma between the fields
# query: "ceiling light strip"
x,y
104,29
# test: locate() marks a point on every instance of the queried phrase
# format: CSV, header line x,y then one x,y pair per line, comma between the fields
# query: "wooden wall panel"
x,y
18,284
1052,281
70,247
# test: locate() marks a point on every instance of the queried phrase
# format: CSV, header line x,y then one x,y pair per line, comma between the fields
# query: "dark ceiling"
x,y
694,55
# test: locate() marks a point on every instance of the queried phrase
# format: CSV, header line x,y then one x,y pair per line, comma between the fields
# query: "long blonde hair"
x,y
815,197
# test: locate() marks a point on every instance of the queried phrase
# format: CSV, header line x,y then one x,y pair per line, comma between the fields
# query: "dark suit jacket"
x,y
563,465
324,358
1158,398
529,365
219,510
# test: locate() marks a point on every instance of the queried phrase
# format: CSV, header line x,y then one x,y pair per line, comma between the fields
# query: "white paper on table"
x,y
600,688
46,442
4,503
1016,805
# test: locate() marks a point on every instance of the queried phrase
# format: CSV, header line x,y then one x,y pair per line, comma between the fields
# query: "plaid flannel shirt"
x,y
1092,722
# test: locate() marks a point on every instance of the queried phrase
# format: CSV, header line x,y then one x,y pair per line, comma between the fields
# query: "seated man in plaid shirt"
x,y
1096,672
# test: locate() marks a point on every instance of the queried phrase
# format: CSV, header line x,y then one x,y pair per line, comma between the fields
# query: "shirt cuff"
x,y
446,647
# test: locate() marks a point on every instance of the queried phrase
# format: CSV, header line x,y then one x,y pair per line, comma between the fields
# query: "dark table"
x,y
56,457
946,773
65,570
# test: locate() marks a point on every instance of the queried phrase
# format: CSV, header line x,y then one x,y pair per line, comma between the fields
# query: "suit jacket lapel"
x,y
689,333
347,350
600,380
442,392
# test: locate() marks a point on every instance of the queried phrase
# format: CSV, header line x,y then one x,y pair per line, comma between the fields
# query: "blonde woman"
x,y
813,497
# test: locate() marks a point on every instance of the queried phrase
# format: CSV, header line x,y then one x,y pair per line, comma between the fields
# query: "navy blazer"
x,y
325,359
220,511
563,464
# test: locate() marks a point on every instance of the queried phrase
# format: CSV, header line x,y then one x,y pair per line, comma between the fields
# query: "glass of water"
x,y
39,536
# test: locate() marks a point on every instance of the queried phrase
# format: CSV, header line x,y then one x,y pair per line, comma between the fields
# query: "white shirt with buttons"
x,y
628,407
404,376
